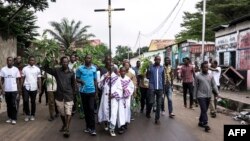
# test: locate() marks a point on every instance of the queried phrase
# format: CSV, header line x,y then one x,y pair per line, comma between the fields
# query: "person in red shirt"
x,y
187,75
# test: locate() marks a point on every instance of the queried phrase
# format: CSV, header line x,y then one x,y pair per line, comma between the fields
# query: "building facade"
x,y
232,43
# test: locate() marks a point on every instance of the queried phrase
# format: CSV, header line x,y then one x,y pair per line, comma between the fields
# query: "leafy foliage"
x,y
122,53
45,51
69,33
145,65
218,12
98,53
23,25
37,5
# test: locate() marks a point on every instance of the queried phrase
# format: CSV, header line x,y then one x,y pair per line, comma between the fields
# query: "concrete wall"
x,y
150,54
7,48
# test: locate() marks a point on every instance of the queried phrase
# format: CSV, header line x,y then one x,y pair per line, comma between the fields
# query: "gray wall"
x,y
7,48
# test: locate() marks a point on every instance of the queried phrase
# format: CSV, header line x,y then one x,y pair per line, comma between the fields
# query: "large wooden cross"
x,y
109,10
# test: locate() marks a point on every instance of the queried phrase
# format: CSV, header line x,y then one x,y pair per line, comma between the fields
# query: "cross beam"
x,y
109,10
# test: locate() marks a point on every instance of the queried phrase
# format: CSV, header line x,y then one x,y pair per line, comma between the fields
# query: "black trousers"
x,y
44,90
188,87
88,101
143,92
204,104
10,98
32,96
150,101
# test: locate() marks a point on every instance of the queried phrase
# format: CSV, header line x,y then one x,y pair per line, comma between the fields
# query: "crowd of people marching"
x,y
113,87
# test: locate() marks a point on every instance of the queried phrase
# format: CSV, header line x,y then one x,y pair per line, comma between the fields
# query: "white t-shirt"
x,y
71,66
10,75
216,75
31,73
51,83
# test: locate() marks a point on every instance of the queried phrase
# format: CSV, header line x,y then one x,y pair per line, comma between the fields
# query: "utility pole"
x,y
109,10
139,38
203,30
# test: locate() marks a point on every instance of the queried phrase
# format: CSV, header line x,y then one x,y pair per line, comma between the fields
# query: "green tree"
x,y
45,50
23,26
122,53
68,32
98,53
142,50
218,12
17,19
37,5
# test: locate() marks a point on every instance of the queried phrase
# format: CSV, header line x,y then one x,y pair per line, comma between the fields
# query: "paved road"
x,y
182,128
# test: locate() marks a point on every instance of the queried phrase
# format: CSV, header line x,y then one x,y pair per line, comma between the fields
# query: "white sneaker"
x,y
32,118
163,113
27,118
106,128
112,133
13,122
8,121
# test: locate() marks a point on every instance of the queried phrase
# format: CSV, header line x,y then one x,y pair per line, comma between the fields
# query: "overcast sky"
x,y
139,15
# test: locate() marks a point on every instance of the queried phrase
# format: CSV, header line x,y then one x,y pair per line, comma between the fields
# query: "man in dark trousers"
x,y
204,87
86,76
65,79
187,75
31,81
10,78
155,74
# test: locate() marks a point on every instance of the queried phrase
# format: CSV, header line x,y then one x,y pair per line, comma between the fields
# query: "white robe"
x,y
125,103
116,95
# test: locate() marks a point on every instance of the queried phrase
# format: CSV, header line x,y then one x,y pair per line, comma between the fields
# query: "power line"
x,y
173,19
163,23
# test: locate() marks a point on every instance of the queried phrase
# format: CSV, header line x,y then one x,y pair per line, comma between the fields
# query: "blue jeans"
x,y
169,94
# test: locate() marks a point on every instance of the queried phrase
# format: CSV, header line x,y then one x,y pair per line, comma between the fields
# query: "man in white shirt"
x,y
31,80
51,88
216,73
72,62
10,78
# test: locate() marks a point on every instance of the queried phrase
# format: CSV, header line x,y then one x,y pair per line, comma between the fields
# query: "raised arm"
x,y
47,69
